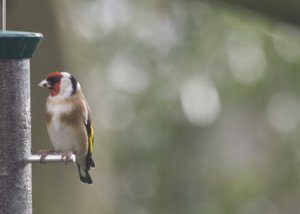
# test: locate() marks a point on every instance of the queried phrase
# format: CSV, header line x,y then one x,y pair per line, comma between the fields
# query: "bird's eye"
x,y
53,80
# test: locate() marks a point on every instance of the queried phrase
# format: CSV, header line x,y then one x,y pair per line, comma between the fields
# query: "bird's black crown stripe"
x,y
74,85
53,80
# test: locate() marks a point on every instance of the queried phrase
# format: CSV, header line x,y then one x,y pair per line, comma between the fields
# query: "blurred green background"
x,y
196,104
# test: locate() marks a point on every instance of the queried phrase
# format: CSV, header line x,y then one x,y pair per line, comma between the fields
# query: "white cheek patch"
x,y
65,87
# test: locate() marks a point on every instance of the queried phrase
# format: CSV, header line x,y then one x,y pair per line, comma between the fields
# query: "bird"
x,y
69,122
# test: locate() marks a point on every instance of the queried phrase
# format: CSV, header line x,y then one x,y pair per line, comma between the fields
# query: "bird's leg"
x,y
44,154
67,156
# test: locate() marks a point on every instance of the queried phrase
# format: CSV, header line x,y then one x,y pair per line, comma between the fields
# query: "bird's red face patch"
x,y
55,90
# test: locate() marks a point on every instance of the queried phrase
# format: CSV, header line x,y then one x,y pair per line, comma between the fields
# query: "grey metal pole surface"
x,y
15,136
16,48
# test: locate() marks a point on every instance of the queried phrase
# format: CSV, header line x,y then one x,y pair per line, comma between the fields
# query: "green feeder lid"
x,y
16,44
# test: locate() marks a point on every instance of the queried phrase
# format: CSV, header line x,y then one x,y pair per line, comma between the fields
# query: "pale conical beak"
x,y
45,84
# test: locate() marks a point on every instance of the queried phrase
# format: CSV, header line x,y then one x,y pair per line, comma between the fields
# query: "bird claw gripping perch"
x,y
44,154
67,157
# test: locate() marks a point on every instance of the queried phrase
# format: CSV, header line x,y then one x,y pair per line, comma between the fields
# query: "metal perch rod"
x,y
51,158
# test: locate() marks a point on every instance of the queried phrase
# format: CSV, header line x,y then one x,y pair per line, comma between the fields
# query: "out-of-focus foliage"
x,y
286,11
196,106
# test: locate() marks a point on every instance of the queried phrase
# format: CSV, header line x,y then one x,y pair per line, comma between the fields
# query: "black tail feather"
x,y
89,162
84,175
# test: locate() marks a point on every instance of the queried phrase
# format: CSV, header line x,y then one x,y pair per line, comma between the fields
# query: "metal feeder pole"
x,y
16,49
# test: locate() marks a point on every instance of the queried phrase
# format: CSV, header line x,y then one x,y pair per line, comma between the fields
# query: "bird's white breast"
x,y
63,137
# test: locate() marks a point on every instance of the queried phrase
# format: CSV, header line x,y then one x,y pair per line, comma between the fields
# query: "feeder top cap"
x,y
17,44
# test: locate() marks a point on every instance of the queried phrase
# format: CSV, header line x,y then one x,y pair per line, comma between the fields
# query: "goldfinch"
x,y
69,122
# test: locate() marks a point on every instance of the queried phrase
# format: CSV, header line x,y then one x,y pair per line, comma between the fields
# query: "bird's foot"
x,y
67,156
44,154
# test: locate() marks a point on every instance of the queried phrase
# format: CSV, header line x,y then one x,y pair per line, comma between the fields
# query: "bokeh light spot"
x,y
246,58
200,101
